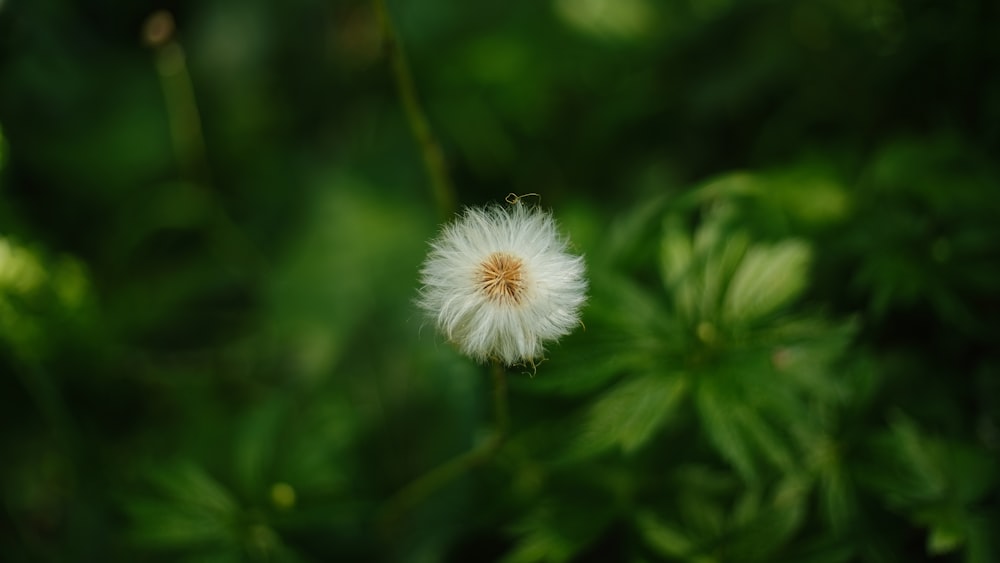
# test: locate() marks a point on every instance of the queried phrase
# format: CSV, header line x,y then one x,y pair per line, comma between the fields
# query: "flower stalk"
x,y
430,149
427,484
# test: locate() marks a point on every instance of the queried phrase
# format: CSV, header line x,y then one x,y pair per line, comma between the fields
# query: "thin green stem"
x,y
500,411
186,132
182,109
433,156
424,486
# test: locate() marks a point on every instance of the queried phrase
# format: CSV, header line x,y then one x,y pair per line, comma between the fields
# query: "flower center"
x,y
501,278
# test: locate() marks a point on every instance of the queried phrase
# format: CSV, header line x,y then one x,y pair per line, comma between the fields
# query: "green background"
x,y
210,245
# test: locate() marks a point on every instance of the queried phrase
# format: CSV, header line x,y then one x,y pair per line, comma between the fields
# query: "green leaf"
x,y
936,483
773,526
256,445
731,185
539,546
667,540
771,443
704,496
556,532
724,431
944,538
170,525
720,263
190,485
675,251
837,496
768,278
629,414
806,352
747,505
193,509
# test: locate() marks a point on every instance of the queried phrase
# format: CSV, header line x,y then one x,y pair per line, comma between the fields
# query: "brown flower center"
x,y
501,278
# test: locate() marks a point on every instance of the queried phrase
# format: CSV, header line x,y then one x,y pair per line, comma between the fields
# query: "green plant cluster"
x,y
213,214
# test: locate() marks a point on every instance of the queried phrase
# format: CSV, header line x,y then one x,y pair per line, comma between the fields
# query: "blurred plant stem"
x,y
424,486
186,132
433,157
500,410
178,94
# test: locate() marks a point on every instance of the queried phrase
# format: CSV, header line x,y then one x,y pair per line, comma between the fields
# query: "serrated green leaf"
x,y
720,263
675,251
808,364
194,509
768,278
713,231
190,485
933,482
678,267
704,499
628,415
923,476
724,431
166,524
773,526
836,497
776,450
748,505
553,533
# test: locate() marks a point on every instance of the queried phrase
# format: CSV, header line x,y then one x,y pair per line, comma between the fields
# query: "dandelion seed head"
x,y
499,283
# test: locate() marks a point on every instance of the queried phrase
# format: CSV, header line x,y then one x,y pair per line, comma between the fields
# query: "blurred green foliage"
x,y
211,223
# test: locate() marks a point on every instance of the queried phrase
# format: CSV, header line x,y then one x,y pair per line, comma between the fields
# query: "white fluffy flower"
x,y
499,283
